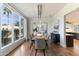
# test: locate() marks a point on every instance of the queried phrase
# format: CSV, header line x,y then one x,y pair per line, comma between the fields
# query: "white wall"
x,y
60,16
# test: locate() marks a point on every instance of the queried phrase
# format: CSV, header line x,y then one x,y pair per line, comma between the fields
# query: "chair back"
x,y
40,44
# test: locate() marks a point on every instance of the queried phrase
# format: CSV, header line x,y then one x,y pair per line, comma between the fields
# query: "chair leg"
x,y
31,45
31,51
44,51
35,52
46,45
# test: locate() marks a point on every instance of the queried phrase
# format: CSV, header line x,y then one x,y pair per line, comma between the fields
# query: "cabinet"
x,y
55,37
69,40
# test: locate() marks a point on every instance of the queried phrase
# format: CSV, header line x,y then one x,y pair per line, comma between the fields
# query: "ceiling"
x,y
31,10
73,17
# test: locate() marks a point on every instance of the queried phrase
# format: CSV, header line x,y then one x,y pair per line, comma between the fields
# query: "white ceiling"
x,y
30,9
73,17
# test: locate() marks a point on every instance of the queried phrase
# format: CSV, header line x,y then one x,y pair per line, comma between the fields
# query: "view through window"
x,y
16,26
6,29
12,26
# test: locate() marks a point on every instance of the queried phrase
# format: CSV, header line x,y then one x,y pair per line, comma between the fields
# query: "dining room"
x,y
34,30
39,29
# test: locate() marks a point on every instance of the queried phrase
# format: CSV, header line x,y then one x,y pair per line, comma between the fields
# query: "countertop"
x,y
69,35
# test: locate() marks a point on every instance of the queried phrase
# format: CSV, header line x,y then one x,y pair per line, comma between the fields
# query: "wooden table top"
x,y
40,37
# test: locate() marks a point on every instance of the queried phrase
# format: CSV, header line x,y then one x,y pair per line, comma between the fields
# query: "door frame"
x,y
65,21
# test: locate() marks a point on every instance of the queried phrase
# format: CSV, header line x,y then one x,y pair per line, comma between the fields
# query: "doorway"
x,y
72,27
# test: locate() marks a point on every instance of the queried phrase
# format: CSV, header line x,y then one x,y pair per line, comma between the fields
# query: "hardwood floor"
x,y
76,42
54,50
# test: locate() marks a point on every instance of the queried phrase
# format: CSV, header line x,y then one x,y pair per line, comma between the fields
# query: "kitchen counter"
x,y
69,35
70,32
75,34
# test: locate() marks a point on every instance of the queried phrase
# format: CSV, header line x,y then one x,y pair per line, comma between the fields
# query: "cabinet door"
x,y
69,41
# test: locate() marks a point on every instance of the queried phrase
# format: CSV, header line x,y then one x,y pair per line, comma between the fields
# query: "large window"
x,y
6,29
16,26
22,27
12,26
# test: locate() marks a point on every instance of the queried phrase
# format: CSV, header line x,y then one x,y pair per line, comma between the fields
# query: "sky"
x,y
5,19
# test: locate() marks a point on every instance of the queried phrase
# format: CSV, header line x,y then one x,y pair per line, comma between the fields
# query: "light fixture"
x,y
39,10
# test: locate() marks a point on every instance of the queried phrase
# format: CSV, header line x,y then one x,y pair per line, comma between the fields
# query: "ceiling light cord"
x,y
39,10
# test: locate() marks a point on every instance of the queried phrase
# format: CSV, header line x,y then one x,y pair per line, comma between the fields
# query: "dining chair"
x,y
31,41
40,44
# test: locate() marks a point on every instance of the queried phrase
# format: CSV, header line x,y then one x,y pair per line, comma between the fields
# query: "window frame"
x,y
16,12
22,27
5,6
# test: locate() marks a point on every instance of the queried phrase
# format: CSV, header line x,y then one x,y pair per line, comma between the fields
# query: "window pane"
x,y
22,27
16,26
6,31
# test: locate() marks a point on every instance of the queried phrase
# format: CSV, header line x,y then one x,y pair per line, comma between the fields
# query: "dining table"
x,y
42,37
39,37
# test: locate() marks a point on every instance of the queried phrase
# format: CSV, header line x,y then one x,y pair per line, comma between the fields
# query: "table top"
x,y
39,37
